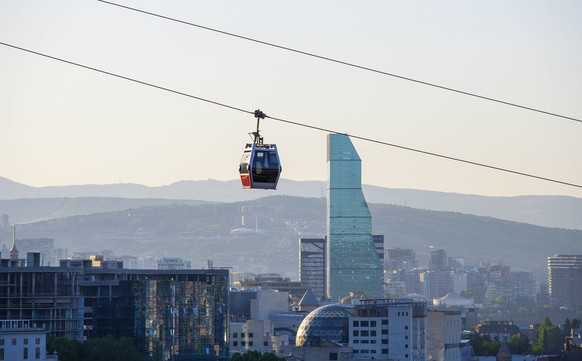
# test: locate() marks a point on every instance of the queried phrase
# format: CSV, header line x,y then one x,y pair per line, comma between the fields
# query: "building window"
x,y
373,333
384,341
25,353
37,341
13,341
234,343
406,327
384,332
365,333
384,322
243,343
356,333
250,343
1,353
333,356
1,342
242,334
37,353
356,323
372,323
364,323
235,335
265,343
406,346
26,341
250,335
385,351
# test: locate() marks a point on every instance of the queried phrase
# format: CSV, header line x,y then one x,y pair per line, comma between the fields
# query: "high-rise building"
x,y
400,259
564,280
352,261
312,265
438,260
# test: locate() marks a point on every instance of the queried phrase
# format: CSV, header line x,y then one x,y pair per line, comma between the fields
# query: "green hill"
x,y
267,240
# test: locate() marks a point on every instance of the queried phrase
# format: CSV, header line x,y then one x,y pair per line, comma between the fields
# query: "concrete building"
x,y
352,260
564,280
312,265
22,340
389,329
437,283
260,321
443,338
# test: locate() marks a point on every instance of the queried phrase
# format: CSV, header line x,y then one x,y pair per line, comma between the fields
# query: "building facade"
x,y
352,262
178,314
443,338
22,340
312,265
388,329
564,280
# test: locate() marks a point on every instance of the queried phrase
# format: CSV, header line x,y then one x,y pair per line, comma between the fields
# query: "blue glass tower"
x,y
352,261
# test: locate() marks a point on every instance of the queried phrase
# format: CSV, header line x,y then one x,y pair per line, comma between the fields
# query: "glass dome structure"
x,y
324,325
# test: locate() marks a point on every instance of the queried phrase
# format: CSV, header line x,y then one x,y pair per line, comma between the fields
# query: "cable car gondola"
x,y
259,166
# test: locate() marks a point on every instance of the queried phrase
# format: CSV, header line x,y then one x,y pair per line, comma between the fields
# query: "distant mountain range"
x,y
262,235
547,211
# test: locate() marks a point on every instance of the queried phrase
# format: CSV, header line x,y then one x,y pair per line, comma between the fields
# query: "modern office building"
x,y
352,261
438,260
564,280
400,259
177,314
312,265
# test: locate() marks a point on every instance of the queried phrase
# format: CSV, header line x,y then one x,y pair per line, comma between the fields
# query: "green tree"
x,y
519,344
110,349
68,350
549,338
483,345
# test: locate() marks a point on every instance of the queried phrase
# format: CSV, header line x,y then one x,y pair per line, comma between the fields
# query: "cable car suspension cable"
x,y
261,114
313,55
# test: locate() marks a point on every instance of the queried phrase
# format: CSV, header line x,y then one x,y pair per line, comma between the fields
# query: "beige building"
x,y
443,339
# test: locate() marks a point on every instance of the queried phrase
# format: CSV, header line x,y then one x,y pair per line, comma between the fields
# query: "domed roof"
x,y
325,324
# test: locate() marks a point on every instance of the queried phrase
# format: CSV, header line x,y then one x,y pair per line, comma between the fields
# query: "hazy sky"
x,y
62,125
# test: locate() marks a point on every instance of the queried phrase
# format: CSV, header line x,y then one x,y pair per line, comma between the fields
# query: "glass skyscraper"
x,y
352,263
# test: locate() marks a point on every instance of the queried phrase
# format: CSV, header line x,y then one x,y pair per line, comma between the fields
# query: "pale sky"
x,y
63,125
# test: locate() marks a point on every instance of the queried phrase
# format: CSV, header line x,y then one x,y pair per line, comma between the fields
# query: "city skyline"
x,y
63,125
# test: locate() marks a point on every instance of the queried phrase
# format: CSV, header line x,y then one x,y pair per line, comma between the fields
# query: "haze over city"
x,y
427,174
64,125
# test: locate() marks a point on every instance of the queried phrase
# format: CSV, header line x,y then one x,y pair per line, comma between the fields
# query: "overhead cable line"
x,y
434,85
292,122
